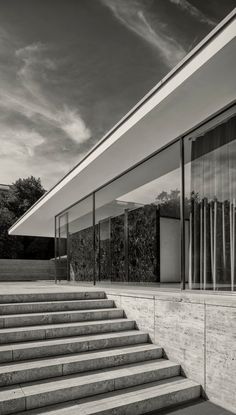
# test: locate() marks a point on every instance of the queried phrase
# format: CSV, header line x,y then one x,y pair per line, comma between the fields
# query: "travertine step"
x,y
20,334
136,400
32,370
43,393
56,347
32,319
53,306
53,296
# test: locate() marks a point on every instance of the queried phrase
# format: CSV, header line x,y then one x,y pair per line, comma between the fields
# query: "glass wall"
x,y
210,206
137,220
61,245
131,230
62,233
81,241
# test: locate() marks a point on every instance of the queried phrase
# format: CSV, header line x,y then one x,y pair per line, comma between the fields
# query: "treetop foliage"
x,y
23,193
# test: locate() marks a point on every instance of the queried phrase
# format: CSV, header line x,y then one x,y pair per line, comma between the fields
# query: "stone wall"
x,y
197,330
122,256
81,255
117,249
26,269
144,244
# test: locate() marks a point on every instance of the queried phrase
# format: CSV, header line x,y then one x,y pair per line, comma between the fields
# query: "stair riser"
x,y
139,407
58,332
56,306
150,404
23,298
51,371
33,320
73,347
90,389
13,407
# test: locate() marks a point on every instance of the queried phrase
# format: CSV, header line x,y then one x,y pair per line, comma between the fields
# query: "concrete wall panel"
x,y
179,329
142,311
221,355
195,329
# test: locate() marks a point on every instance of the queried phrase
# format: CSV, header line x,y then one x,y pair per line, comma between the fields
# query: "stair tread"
x,y
75,357
76,365
66,312
9,309
117,399
53,296
57,302
87,378
74,339
58,325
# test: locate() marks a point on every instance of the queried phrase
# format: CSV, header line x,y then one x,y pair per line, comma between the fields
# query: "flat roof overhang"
x,y
201,85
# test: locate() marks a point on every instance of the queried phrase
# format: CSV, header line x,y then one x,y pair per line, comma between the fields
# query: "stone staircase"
x,y
75,353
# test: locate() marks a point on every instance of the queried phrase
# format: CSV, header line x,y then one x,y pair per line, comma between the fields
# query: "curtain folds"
x,y
212,258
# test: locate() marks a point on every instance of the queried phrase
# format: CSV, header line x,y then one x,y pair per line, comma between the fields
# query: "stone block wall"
x,y
197,330
26,269
120,256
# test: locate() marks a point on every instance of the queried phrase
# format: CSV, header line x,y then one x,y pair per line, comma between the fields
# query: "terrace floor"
x,y
24,287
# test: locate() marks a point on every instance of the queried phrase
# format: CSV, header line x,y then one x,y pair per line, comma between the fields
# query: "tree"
x,y
10,246
170,203
23,194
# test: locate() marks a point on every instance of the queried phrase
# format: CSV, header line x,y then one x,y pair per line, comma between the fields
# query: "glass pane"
x,y
61,247
138,219
57,238
62,233
81,252
210,183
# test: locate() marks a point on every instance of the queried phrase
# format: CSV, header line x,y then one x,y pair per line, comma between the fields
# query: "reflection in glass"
x,y
138,220
210,183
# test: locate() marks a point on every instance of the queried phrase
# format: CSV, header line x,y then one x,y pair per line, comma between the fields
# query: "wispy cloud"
x,y
72,123
135,16
19,143
194,11
35,101
58,95
26,96
32,122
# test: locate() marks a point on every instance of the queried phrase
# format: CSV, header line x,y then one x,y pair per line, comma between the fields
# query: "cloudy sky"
x,y
70,69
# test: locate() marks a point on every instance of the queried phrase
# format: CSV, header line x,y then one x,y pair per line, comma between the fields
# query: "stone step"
x,y
33,319
137,400
33,370
53,296
22,334
57,390
66,345
53,306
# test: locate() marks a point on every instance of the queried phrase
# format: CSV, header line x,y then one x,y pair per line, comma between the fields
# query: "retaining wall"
x,y
197,330
26,269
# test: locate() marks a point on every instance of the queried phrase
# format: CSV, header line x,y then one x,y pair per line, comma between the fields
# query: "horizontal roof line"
x,y
140,103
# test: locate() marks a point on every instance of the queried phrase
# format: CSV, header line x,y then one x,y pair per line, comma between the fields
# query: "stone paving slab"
x,y
200,407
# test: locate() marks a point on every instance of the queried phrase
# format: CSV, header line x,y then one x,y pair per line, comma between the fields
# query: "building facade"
x,y
154,204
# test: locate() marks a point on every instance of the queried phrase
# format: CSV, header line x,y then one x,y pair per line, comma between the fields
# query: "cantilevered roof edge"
x,y
201,45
